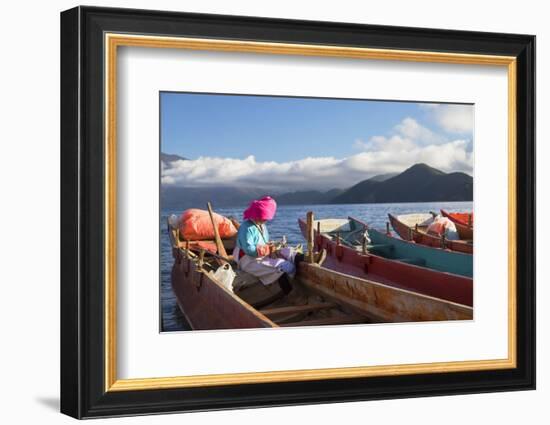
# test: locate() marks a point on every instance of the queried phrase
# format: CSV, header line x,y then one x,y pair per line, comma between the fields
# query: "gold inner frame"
x,y
113,41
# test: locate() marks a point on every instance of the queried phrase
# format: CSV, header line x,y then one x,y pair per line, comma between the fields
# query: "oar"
x,y
219,244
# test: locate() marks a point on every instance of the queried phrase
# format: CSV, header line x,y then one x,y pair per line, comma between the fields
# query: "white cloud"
x,y
385,156
394,154
408,144
412,143
458,119
403,135
394,144
212,171
411,129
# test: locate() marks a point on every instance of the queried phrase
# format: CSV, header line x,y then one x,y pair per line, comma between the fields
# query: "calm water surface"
x,y
286,223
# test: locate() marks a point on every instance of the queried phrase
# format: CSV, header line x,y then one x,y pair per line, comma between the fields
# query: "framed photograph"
x,y
262,212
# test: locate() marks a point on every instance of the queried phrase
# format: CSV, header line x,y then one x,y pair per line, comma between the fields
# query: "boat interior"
x,y
418,221
354,234
301,307
346,231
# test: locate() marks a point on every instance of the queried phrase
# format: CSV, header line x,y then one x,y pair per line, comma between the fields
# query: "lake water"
x,y
286,223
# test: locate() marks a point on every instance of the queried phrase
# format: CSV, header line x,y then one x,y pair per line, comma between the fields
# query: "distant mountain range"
x,y
308,197
419,183
180,198
319,197
168,158
175,197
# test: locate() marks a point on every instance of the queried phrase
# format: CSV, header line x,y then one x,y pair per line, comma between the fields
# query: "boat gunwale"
x,y
448,251
428,276
209,275
393,288
427,269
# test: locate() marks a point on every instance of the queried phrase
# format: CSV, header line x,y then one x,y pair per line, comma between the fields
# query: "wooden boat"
x,y
441,260
392,262
413,227
464,223
320,297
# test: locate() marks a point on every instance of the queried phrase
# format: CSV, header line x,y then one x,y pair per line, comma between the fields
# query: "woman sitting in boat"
x,y
256,254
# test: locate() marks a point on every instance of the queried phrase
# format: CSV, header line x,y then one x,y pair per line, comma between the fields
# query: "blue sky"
x,y
263,139
273,128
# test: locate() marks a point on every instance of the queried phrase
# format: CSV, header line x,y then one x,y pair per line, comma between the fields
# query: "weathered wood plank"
x,y
297,309
338,320
309,235
377,301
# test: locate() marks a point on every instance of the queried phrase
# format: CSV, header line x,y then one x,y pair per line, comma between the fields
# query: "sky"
x,y
307,143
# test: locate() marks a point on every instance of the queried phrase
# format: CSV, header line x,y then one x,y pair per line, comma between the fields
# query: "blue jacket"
x,y
249,237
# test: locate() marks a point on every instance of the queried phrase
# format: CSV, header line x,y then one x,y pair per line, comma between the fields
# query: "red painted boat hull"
x,y
343,259
464,230
206,304
409,234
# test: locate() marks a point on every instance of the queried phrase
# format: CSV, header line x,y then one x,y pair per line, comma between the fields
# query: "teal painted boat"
x,y
411,253
350,253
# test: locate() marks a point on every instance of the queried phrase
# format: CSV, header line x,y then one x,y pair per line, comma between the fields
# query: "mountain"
x,y
419,183
168,158
306,197
180,198
383,177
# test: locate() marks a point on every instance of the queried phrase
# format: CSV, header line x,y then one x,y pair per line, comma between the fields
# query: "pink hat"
x,y
262,209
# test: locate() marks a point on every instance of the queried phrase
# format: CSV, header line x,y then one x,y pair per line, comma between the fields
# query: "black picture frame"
x,y
83,392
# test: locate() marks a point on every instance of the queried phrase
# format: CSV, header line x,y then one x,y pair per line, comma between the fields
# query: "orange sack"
x,y
195,225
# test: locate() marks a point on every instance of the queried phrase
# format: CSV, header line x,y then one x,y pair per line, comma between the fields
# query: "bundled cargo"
x,y
195,225
442,226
